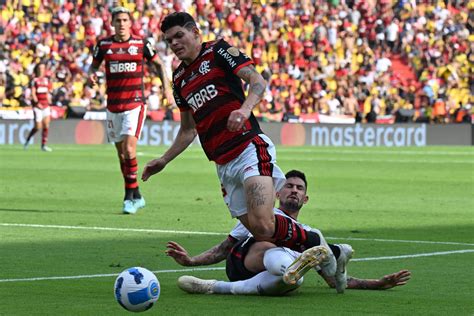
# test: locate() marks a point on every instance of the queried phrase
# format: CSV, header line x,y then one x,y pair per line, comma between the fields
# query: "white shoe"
x,y
195,285
139,203
341,271
46,148
307,260
129,207
329,265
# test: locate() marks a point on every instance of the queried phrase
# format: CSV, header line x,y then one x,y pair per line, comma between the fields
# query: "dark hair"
x,y
297,174
116,10
177,19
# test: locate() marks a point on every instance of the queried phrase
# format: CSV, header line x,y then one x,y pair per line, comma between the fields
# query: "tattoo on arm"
x,y
215,254
257,88
255,196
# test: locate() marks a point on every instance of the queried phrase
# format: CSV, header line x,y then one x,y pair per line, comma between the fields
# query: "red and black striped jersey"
x,y
124,62
42,87
210,88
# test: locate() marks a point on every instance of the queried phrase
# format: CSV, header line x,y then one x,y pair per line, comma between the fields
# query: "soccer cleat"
x,y
195,285
139,203
341,271
46,148
307,260
129,207
25,145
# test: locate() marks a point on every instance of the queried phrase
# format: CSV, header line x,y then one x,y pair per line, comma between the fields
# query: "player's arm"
x,y
187,133
94,67
214,255
386,282
160,68
34,96
256,90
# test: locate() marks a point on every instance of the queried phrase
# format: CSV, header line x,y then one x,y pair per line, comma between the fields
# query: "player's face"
x,y
293,194
41,70
122,24
183,42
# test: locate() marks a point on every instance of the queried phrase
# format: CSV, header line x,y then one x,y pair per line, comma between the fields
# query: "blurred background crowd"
x,y
375,61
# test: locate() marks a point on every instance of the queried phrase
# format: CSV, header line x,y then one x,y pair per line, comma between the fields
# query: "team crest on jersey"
x,y
233,51
133,50
204,67
109,52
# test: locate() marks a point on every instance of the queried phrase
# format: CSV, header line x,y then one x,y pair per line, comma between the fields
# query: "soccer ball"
x,y
137,289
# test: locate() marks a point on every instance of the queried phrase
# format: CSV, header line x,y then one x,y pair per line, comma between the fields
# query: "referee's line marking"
x,y
163,231
75,277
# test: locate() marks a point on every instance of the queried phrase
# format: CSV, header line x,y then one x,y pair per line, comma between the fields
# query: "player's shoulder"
x,y
105,41
179,71
135,39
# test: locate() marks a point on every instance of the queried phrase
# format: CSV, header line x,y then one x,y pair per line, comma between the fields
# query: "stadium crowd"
x,y
405,60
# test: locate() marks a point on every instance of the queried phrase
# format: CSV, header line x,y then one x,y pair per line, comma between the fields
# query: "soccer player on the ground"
x,y
260,267
124,56
41,87
209,93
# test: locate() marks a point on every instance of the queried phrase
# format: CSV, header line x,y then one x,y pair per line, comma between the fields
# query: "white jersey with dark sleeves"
x,y
240,232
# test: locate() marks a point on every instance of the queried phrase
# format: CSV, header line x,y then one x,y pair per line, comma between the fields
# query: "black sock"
x,y
335,250
128,194
136,194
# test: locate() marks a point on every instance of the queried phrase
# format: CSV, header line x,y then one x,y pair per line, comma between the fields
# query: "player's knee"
x,y
262,229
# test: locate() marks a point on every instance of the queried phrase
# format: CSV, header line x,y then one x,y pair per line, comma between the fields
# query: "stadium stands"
x,y
362,60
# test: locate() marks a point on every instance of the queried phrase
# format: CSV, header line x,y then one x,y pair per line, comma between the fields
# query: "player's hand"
x,y
93,79
178,253
169,96
152,167
237,119
395,279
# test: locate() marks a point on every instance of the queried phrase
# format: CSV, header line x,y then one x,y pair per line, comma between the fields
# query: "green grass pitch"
x,y
400,208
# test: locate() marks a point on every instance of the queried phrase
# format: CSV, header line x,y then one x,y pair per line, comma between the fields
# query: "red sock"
x,y
44,136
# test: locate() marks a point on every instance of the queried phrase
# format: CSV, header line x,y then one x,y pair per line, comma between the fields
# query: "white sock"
x,y
277,260
263,283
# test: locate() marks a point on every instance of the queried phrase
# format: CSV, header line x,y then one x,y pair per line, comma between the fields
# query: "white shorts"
x,y
259,158
40,114
125,123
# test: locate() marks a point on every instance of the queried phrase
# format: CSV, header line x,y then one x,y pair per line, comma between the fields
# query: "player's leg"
x,y
45,129
37,119
132,124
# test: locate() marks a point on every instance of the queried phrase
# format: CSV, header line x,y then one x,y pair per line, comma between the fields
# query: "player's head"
x,y
293,194
182,34
40,69
121,21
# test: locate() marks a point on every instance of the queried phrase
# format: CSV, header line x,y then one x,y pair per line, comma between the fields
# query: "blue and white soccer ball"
x,y
137,289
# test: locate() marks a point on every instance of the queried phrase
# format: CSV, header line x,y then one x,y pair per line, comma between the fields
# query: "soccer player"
x,y
125,56
209,93
260,267
41,87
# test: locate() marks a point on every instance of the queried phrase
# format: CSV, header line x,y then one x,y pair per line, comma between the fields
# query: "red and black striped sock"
x,y
292,235
129,171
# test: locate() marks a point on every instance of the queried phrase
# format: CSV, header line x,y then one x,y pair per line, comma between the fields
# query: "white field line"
x,y
326,159
161,231
74,277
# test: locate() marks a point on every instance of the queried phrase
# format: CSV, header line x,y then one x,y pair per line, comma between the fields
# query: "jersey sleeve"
x,y
149,51
97,55
230,58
